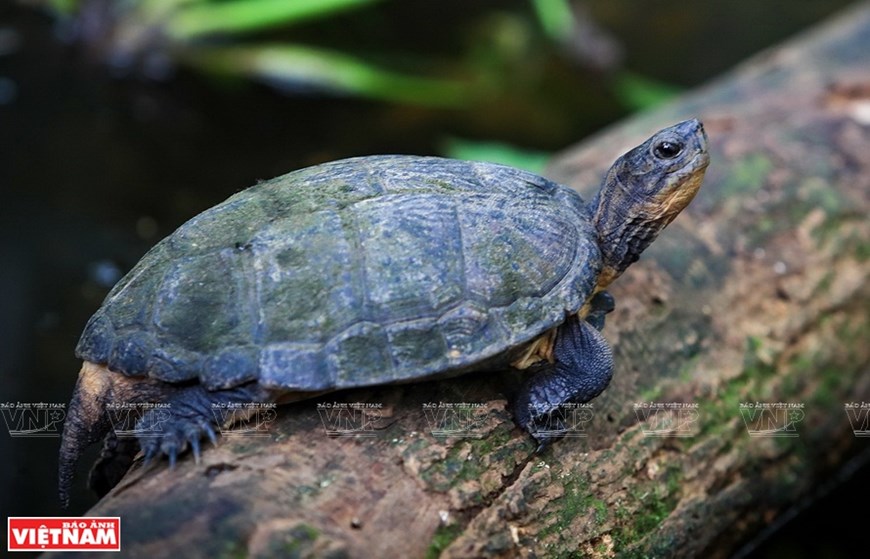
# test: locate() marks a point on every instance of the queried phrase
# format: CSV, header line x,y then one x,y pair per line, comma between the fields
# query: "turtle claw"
x,y
193,435
151,452
149,456
174,435
209,433
187,419
194,446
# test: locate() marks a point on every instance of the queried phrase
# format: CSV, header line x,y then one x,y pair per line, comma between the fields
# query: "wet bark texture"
x,y
758,293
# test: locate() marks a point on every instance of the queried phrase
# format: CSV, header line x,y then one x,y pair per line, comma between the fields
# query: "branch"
x,y
756,294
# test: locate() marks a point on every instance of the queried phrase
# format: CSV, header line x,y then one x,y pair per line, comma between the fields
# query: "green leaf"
x,y
496,152
301,67
639,93
243,16
64,7
556,18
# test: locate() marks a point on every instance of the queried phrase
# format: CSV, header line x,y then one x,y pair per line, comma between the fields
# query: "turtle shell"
x,y
357,272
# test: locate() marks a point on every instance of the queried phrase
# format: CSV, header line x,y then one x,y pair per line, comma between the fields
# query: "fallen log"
x,y
740,346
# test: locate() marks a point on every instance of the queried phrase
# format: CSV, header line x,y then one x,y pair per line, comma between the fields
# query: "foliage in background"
x,y
496,152
508,60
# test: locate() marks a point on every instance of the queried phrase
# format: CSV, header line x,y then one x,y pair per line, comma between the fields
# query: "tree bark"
x,y
757,294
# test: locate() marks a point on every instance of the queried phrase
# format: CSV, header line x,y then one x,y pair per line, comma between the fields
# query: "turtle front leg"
x,y
191,414
582,370
600,306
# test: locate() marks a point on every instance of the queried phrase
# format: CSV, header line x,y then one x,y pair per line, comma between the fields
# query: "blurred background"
x,y
119,120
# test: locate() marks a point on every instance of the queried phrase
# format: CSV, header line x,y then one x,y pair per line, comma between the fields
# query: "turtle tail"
x,y
86,422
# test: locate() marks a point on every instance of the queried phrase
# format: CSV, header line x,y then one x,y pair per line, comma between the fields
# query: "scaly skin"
x,y
187,414
643,192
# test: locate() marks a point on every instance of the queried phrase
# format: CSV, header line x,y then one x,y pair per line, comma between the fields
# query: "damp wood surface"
x,y
757,293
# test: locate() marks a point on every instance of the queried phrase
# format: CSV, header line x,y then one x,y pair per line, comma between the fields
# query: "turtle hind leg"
x,y
114,461
192,413
582,370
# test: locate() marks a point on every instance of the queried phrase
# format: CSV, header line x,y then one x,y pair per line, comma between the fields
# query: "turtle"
x,y
366,271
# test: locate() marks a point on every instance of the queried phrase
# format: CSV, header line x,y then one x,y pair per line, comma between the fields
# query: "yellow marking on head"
x,y
666,205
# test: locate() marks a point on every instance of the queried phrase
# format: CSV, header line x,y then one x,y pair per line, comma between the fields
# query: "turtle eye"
x,y
667,149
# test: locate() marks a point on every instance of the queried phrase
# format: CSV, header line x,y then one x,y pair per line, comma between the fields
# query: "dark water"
x,y
94,170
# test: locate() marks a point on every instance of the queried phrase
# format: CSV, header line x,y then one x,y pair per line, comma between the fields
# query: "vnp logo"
x,y
859,418
668,419
357,419
565,420
456,419
33,419
765,419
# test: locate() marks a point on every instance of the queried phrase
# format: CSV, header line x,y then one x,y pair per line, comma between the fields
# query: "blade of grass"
x,y
496,152
243,16
294,67
556,18
639,93
65,7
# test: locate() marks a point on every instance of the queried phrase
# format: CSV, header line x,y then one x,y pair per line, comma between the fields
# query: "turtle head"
x,y
644,191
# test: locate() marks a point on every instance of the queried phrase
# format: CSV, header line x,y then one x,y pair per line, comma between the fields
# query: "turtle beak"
x,y
85,424
693,130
